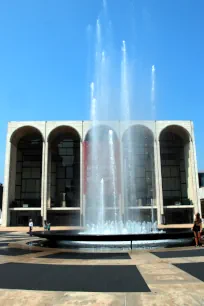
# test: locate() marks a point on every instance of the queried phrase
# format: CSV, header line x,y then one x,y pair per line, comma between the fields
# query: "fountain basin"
x,y
74,235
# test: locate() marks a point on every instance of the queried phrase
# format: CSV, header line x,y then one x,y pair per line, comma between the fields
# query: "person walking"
x,y
197,229
30,226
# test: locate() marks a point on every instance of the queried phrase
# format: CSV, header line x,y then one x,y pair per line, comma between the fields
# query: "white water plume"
x,y
153,106
108,167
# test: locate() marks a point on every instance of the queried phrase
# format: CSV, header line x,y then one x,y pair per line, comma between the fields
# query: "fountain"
x,y
112,200
104,212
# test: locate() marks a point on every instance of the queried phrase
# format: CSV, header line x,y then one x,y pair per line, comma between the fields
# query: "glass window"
x,y
183,177
19,156
173,168
53,179
68,160
23,185
18,179
18,166
26,173
184,190
140,171
37,186
30,185
62,151
61,172
67,144
201,179
53,167
69,172
35,173
61,185
174,171
140,168
65,158
28,168
18,192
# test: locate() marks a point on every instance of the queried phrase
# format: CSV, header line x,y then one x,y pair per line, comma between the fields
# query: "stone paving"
x,y
168,284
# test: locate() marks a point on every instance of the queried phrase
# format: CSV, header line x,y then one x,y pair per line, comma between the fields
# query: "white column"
x,y
45,175
194,171
44,181
5,204
156,181
122,195
12,180
159,192
49,179
189,171
42,178
84,181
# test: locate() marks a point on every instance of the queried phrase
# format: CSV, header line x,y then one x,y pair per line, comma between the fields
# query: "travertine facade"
x,y
182,130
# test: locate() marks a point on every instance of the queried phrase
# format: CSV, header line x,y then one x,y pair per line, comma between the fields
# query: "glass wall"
x,y
28,171
1,195
138,167
63,218
178,215
65,168
102,174
174,166
201,179
21,218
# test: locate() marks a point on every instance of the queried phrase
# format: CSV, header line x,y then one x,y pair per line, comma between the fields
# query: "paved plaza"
x,y
137,277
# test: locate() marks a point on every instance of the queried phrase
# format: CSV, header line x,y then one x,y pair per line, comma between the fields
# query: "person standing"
x,y
197,228
48,226
45,225
30,226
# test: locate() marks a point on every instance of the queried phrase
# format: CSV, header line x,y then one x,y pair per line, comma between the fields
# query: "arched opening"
x,y
175,170
139,173
64,174
101,175
25,175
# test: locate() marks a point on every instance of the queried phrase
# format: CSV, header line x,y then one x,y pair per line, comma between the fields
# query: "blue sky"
x,y
46,63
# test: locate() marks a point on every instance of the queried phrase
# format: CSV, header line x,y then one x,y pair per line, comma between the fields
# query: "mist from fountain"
x,y
116,213
103,211
92,166
153,109
101,207
128,179
153,93
128,227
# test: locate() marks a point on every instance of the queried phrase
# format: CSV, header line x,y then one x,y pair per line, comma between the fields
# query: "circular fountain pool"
x,y
75,239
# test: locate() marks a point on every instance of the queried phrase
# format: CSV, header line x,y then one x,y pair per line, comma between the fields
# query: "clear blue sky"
x,y
44,58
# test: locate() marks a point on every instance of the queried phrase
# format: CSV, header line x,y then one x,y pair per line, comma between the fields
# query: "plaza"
x,y
155,277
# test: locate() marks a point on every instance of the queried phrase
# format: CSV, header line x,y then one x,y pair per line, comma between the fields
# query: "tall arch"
x,y
138,173
64,174
25,174
101,175
62,130
176,173
23,131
